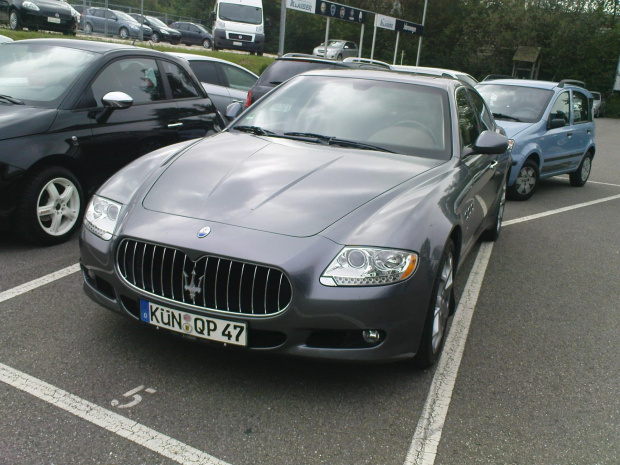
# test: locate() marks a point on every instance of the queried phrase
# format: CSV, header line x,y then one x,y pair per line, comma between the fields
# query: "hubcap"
x,y
585,168
526,179
124,33
442,303
13,20
58,207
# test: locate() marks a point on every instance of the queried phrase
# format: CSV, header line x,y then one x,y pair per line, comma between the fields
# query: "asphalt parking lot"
x,y
529,374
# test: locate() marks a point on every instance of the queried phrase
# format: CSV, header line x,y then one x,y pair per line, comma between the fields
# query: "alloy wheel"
x,y
442,303
58,206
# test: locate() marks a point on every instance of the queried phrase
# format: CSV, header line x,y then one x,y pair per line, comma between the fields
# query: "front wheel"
x,y
440,308
155,37
206,43
51,206
580,177
88,28
526,182
14,21
339,57
492,234
124,33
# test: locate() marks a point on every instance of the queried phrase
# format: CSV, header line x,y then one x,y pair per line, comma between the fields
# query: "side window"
x,y
181,84
137,77
99,13
581,109
182,27
237,78
194,29
482,110
561,108
468,123
109,15
205,71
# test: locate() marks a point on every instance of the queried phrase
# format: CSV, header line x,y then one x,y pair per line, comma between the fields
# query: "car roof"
x,y
195,57
88,45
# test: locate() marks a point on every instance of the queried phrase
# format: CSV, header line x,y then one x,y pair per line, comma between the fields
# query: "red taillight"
x,y
248,99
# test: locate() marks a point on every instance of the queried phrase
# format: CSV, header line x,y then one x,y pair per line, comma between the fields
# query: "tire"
x,y
14,21
51,206
440,307
124,33
339,57
88,28
580,177
492,234
526,183
155,37
206,43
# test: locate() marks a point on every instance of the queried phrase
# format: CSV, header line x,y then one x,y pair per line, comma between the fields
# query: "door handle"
x,y
175,125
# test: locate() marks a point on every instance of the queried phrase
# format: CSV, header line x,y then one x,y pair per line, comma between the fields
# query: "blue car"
x,y
550,128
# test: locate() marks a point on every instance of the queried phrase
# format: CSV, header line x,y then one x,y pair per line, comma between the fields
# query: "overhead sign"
x,y
411,28
307,6
385,22
338,11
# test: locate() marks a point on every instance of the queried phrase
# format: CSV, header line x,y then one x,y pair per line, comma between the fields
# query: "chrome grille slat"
x,y
219,286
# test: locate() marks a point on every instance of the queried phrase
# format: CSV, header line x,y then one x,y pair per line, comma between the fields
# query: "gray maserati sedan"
x,y
327,220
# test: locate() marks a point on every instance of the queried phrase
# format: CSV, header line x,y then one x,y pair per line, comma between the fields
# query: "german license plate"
x,y
238,44
213,329
53,20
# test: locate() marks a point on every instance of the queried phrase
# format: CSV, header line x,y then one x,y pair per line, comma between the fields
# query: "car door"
x,y
582,127
194,35
183,28
558,143
208,74
350,50
98,20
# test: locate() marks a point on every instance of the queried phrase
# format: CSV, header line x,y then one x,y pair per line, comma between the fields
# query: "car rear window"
x,y
281,70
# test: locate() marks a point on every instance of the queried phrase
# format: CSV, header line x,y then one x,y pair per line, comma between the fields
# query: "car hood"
x,y
512,128
23,120
53,5
276,185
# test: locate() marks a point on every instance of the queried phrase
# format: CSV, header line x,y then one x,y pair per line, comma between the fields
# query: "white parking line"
x,y
14,292
113,422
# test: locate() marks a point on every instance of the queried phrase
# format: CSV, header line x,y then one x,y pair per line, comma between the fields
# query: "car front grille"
x,y
244,37
210,282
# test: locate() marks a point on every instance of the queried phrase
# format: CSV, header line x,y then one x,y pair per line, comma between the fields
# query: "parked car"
x,y
47,15
75,111
337,49
225,82
598,107
113,22
193,34
161,32
427,71
292,64
550,128
310,226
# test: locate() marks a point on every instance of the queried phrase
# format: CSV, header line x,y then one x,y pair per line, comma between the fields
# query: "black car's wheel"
x,y
88,28
260,54
493,233
14,21
580,177
124,33
526,182
206,43
51,206
155,37
441,306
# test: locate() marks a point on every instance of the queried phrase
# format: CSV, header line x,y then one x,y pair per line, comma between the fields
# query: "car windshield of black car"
x,y
398,117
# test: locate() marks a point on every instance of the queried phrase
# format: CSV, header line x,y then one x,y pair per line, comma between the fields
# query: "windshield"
x,y
516,103
335,43
156,22
380,115
241,13
21,75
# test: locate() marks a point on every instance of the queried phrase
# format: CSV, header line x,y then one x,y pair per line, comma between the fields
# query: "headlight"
x,y
367,266
164,32
259,29
101,217
134,27
511,144
220,24
31,6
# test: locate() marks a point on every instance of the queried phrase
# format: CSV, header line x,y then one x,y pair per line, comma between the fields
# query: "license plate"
x,y
53,20
213,329
238,44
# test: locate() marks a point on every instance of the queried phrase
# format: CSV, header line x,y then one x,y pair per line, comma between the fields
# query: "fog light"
x,y
371,336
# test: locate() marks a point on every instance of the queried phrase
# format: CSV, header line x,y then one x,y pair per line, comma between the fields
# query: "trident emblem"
x,y
191,287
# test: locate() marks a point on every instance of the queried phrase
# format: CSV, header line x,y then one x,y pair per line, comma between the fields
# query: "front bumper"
x,y
48,21
320,322
247,42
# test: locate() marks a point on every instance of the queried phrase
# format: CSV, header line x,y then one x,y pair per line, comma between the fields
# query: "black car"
x,y
73,112
292,64
161,32
193,34
48,15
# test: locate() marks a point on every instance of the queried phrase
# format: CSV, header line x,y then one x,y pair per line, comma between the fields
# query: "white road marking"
x,y
426,438
113,422
604,183
14,292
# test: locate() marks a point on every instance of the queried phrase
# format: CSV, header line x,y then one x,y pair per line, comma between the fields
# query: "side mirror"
x,y
489,143
267,22
212,16
233,110
557,123
113,101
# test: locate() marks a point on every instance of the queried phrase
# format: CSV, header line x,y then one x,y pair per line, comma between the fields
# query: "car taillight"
x,y
248,99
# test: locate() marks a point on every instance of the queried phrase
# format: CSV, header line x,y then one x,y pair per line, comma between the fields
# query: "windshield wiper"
x,y
11,99
502,116
330,140
256,130
309,136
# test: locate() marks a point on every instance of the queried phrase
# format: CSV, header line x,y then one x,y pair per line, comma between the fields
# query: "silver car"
x,y
598,107
337,49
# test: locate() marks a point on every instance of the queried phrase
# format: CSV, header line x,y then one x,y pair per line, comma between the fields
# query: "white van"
x,y
239,25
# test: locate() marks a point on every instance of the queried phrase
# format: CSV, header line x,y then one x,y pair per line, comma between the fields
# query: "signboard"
x,y
307,6
338,11
411,28
385,22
